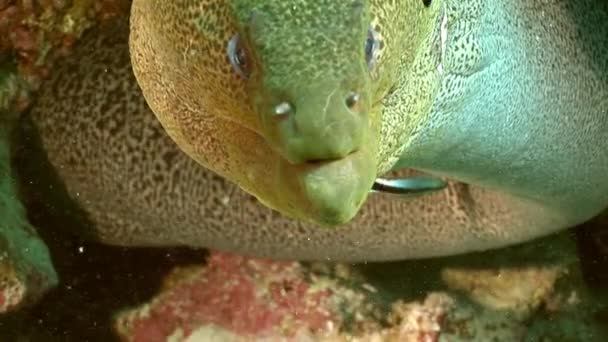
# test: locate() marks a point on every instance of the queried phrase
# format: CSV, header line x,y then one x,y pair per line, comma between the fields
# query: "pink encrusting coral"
x,y
248,297
235,298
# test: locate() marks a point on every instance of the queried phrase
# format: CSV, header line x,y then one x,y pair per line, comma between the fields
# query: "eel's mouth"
x,y
335,189
320,162
331,191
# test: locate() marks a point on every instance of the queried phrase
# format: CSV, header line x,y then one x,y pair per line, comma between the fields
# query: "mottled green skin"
x,y
218,129
522,106
281,40
311,55
456,121
311,58
482,125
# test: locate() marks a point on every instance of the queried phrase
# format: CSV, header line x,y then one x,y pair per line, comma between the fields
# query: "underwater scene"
x,y
297,170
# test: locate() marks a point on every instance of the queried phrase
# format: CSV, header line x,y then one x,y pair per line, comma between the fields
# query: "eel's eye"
x,y
238,57
372,47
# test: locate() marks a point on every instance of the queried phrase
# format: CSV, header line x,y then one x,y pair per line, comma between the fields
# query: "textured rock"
x,y
514,294
241,297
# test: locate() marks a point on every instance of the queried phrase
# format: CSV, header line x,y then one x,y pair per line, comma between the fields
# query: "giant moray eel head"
x,y
273,95
307,74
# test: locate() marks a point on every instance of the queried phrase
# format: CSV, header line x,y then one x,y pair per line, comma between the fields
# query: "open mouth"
x,y
321,162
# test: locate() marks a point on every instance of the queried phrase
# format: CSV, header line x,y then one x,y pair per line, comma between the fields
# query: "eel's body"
x,y
138,188
523,107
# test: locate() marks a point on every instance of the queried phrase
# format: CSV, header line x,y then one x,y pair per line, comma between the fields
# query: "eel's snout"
x,y
329,163
316,127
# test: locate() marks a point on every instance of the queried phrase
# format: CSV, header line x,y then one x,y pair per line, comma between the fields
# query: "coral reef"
x,y
508,295
246,297
243,299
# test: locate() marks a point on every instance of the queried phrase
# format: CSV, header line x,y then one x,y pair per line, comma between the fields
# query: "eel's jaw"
x,y
330,192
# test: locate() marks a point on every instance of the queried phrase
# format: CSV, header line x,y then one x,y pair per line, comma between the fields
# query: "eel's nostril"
x,y
283,108
352,100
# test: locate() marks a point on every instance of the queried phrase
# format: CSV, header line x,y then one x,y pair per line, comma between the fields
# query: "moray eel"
x,y
303,104
508,100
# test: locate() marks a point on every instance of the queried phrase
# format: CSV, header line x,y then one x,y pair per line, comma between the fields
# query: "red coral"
x,y
248,297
